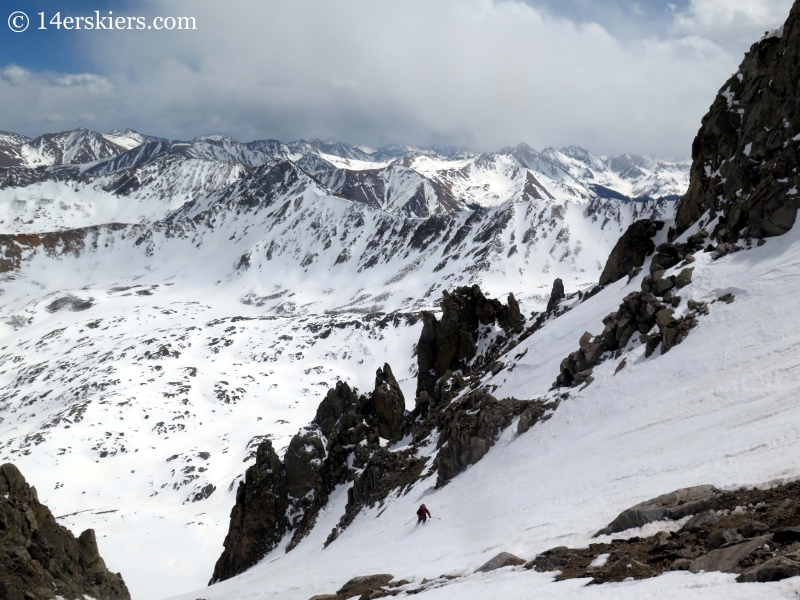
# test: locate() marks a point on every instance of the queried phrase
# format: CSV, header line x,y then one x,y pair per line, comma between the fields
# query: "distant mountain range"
x,y
402,180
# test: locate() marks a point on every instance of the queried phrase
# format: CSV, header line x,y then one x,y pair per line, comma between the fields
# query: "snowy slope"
x,y
718,409
128,138
142,194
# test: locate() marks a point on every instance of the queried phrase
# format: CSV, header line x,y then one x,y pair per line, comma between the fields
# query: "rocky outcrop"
x,y
451,343
751,532
746,152
341,444
14,248
470,426
556,296
388,404
302,461
640,312
631,250
672,506
258,520
40,559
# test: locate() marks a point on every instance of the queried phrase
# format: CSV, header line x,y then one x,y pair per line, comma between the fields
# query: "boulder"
x,y
504,559
585,341
366,583
666,256
701,521
750,529
684,278
723,537
727,559
673,506
774,569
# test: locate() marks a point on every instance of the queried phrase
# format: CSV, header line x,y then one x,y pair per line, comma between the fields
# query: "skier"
x,y
422,514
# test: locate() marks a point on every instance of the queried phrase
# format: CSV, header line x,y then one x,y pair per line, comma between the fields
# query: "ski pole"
x,y
407,522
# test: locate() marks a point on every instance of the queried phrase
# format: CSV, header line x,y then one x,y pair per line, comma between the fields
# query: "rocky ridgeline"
x,y
639,313
40,559
754,533
450,344
745,155
278,497
354,437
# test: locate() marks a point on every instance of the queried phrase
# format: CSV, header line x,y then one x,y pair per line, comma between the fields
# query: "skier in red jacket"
x,y
422,514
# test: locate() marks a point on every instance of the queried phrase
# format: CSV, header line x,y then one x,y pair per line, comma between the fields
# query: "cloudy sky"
x,y
610,75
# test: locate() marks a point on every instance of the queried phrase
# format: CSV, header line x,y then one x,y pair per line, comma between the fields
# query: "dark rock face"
x,y
470,427
302,462
383,472
332,408
340,445
450,344
639,313
388,404
258,519
631,250
556,296
40,559
746,152
742,532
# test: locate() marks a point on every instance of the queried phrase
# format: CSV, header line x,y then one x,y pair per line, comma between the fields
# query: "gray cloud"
x,y
465,72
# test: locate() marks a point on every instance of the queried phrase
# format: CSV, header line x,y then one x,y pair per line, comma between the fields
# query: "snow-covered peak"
x,y
8,138
75,147
128,138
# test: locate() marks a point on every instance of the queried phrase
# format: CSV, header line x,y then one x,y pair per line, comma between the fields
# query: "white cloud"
x,y
471,72
33,102
733,23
